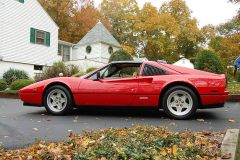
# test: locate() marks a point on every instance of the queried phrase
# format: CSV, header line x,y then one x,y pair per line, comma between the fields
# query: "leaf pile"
x,y
141,142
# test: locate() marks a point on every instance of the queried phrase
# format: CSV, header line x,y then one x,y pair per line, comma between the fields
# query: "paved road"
x,y
20,125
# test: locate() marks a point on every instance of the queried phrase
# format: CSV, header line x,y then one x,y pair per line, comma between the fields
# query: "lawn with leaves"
x,y
140,142
233,87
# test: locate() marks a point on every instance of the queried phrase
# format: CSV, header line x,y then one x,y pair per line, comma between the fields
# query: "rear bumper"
x,y
219,105
213,99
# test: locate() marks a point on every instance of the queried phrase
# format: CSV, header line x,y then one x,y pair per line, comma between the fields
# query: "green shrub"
x,y
3,85
54,70
209,61
79,74
18,84
90,69
120,55
14,74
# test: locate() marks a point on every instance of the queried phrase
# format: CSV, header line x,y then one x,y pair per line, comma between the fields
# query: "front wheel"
x,y
58,100
180,102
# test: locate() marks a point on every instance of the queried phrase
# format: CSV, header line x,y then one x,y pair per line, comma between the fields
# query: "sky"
x,y
205,11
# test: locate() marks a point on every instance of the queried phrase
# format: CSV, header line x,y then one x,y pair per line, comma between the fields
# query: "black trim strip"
x,y
212,94
117,94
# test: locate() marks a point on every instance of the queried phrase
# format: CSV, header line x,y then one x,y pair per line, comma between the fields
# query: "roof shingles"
x,y
99,33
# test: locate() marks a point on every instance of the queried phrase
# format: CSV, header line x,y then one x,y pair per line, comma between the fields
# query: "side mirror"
x,y
98,76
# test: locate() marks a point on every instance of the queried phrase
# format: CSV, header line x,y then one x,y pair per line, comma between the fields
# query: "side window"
x,y
102,71
150,70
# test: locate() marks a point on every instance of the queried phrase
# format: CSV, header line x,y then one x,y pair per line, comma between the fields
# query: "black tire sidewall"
x,y
190,92
69,105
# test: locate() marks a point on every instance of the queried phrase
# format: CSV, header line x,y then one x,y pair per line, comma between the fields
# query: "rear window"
x,y
150,70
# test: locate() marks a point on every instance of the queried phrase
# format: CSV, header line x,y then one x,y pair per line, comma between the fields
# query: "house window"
x,y
66,53
59,50
39,37
110,50
88,49
38,68
22,1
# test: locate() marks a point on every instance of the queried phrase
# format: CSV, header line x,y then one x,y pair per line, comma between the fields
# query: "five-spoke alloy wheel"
x,y
180,102
58,100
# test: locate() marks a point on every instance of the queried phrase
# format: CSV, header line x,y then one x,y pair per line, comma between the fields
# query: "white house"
x,y
29,40
94,49
28,36
184,63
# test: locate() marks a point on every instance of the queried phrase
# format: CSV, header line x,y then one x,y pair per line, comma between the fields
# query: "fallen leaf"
x,y
74,120
15,118
3,116
172,124
226,156
233,121
69,130
39,121
163,152
48,119
42,114
85,123
164,135
5,136
174,150
201,120
96,118
34,129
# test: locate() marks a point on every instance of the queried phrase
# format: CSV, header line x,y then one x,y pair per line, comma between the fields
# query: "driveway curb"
x,y
230,143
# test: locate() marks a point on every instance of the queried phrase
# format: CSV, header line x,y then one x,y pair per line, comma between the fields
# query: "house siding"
x,y
104,52
95,53
16,21
26,67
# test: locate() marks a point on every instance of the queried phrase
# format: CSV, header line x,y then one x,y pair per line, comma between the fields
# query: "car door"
x,y
108,91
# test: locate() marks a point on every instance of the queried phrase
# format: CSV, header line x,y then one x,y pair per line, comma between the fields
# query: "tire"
x,y
58,100
180,102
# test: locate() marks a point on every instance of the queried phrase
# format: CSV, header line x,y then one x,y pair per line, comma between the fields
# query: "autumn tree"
x,y
74,17
230,27
156,34
190,36
208,32
230,50
122,15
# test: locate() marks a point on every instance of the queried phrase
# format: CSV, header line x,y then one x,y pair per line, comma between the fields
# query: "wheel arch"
x,y
170,85
57,83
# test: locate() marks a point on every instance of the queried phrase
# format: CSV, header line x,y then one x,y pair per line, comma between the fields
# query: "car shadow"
x,y
209,114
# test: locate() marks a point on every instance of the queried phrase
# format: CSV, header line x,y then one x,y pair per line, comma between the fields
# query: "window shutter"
x,y
22,1
32,35
48,39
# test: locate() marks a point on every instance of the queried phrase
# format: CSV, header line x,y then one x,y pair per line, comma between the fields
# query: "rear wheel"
x,y
58,100
180,102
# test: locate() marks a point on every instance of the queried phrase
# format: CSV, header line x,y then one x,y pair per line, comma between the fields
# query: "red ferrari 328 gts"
x,y
179,91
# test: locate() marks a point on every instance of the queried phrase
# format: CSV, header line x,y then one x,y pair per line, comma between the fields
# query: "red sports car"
x,y
179,91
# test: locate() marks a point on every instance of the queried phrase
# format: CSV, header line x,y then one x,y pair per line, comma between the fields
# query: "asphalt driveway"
x,y
21,125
